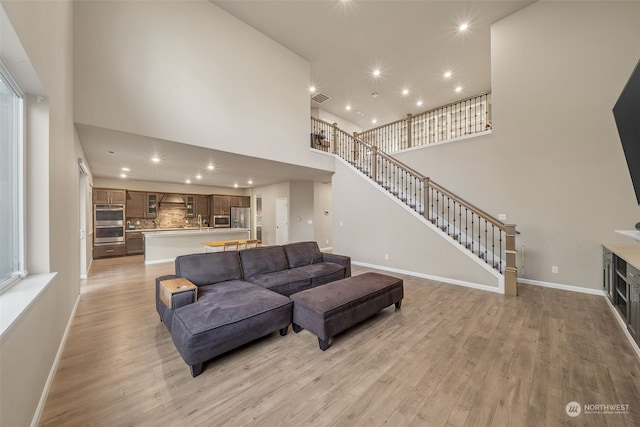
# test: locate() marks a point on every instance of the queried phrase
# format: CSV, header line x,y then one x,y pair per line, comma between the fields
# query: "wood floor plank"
x,y
451,356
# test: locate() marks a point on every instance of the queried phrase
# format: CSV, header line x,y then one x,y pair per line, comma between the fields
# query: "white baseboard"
x,y
54,368
488,288
562,287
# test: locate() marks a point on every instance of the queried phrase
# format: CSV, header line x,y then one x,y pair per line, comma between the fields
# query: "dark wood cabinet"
x,y
190,202
109,196
203,206
153,202
109,250
622,284
136,204
135,243
220,205
245,202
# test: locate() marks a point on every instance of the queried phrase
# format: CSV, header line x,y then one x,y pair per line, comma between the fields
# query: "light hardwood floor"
x,y
451,356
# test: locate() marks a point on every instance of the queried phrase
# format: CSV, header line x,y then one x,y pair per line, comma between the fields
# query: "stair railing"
x,y
465,117
487,237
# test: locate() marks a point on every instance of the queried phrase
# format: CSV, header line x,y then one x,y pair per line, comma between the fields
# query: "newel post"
x,y
425,197
409,133
510,271
335,138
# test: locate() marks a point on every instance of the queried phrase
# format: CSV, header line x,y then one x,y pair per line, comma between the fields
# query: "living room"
x,y
552,164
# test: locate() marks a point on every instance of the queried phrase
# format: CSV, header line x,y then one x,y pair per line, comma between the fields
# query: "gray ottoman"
x,y
331,308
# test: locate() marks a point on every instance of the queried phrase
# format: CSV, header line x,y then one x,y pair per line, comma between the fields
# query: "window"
x,y
11,173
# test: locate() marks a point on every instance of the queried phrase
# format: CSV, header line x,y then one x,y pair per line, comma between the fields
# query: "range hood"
x,y
173,201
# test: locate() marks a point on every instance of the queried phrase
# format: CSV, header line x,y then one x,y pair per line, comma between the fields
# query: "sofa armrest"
x,y
343,260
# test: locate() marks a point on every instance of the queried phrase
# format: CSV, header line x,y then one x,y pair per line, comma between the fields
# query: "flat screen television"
x,y
627,115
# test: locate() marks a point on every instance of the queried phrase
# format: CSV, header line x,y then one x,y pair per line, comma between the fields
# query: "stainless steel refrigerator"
x,y
240,217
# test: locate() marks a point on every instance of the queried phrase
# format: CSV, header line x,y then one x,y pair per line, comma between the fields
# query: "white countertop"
x,y
192,231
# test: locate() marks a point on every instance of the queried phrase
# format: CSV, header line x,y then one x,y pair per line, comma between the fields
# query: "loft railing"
x,y
487,237
466,117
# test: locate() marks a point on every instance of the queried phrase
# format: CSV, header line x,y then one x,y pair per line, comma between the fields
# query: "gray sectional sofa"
x,y
242,295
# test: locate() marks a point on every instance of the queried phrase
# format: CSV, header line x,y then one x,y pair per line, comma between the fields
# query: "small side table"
x,y
171,287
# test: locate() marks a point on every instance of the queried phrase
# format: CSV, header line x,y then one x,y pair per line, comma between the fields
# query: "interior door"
x,y
282,221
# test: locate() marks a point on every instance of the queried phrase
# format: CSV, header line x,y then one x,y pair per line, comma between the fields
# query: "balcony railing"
x,y
466,117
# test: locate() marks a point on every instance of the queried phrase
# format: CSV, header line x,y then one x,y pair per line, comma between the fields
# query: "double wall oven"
x,y
109,224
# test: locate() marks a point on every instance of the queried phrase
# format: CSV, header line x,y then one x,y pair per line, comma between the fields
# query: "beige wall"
x,y
554,163
301,211
191,73
29,347
323,214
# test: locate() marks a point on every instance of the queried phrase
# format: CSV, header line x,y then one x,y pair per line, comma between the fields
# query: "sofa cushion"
x,y
302,253
285,282
209,268
263,260
323,272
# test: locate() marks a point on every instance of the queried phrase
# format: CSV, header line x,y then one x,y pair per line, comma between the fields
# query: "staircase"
x,y
486,237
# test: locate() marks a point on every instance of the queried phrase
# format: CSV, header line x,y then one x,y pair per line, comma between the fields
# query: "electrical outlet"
x,y
309,221
554,269
386,256
502,217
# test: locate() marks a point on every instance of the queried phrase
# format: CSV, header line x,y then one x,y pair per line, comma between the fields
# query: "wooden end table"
x,y
171,287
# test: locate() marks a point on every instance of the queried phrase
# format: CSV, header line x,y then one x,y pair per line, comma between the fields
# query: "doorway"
x,y
282,220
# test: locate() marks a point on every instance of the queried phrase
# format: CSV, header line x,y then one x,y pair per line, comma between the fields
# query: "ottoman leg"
x,y
324,344
296,328
398,304
196,369
284,331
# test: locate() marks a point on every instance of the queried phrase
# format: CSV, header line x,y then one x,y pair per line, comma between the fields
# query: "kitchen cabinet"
x,y
109,250
245,202
135,243
203,206
220,205
136,204
190,201
153,200
109,196
234,201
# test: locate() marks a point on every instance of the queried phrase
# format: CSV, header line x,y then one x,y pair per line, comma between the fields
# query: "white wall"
x,y
29,347
554,163
367,225
323,214
343,124
301,211
191,73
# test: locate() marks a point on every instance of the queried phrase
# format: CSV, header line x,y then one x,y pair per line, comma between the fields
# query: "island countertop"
x,y
166,245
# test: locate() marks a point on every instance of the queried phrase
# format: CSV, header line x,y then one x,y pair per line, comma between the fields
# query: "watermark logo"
x,y
573,409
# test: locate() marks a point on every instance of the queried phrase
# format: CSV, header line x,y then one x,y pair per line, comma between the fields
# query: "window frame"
x,y
19,189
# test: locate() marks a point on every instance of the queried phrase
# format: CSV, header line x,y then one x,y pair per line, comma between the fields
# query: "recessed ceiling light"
x,y
374,121
419,103
235,185
187,181
463,27
198,176
210,167
447,74
376,72
405,92
312,89
250,182
126,169
348,108
123,175
459,89
155,159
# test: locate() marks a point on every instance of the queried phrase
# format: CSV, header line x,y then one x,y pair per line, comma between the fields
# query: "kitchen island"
x,y
165,246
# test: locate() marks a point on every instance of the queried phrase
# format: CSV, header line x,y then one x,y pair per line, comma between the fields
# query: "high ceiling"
x,y
412,43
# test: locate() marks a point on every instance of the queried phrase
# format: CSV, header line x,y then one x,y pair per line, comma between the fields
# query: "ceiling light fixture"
x,y
210,167
419,103
374,121
155,159
348,108
235,185
198,176
123,175
187,181
126,169
459,89
312,89
250,182
376,72
463,27
405,92
447,74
